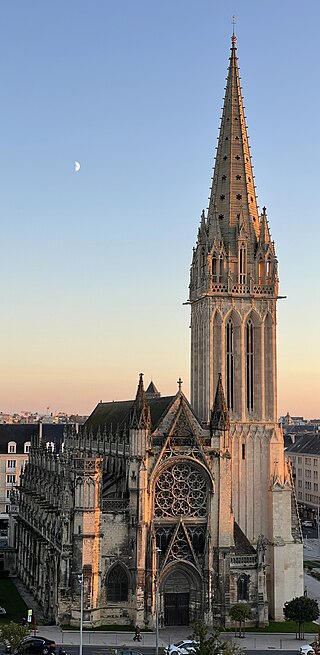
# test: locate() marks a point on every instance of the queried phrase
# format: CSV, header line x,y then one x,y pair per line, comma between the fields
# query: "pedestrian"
x,y
137,634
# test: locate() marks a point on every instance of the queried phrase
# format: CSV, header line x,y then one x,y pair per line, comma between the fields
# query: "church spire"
x,y
233,192
219,415
140,411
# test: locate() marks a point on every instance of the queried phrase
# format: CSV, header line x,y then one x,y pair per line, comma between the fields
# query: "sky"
x,y
95,265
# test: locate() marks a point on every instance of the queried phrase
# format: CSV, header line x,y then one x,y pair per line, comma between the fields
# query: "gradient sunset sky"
x,y
95,264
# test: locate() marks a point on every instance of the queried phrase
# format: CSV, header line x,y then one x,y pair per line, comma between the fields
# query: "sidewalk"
x,y
252,641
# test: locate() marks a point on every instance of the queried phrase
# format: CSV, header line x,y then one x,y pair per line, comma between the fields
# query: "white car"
x,y
307,524
306,650
184,647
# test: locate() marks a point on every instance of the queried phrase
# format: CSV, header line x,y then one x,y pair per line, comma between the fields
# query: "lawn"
x,y
285,626
311,563
12,602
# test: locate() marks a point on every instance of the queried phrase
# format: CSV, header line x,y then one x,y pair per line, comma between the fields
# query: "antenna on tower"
x,y
233,20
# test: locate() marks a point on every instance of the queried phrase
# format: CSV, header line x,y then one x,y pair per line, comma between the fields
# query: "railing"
x,y
244,560
115,505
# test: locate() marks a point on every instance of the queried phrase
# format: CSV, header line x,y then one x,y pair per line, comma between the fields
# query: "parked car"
x,y
36,646
306,650
307,524
128,651
184,647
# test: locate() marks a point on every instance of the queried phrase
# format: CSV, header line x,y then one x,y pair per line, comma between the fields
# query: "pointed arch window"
x,y
230,364
261,271
203,262
221,267
249,364
214,268
117,585
242,265
268,271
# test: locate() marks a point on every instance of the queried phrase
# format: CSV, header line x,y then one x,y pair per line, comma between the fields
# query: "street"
x,y
106,650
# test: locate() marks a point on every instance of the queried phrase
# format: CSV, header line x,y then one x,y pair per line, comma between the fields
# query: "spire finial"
x,y
233,38
179,383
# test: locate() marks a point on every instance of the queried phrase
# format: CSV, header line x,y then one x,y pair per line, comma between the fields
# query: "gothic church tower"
x,y
233,295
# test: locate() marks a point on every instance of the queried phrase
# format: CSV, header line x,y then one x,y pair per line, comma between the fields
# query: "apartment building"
x,y
305,458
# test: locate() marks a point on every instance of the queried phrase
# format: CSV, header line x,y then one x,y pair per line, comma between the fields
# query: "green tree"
x,y
300,610
13,633
240,613
207,641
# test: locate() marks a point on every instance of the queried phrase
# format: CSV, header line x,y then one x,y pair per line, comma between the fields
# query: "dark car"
x,y
36,646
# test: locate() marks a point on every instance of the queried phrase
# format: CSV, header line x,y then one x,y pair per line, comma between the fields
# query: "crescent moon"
x,y
76,166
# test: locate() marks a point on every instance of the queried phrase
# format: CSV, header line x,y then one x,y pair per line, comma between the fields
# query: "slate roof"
x,y
22,432
152,389
107,415
242,544
308,445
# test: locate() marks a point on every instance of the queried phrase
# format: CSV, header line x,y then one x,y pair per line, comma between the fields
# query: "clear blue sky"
x,y
95,264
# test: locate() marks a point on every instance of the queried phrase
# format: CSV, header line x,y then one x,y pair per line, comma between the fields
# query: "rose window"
x,y
181,490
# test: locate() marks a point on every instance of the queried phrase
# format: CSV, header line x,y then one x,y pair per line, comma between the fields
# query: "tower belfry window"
x,y
242,265
229,363
249,364
214,268
268,271
261,271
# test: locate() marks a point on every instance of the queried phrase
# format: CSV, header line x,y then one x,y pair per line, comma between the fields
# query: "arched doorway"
x,y
181,596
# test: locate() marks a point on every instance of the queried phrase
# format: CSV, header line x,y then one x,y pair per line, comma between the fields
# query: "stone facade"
x,y
199,496
151,494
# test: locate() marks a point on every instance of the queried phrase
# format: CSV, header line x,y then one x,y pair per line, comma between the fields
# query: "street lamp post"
x,y
158,551
80,578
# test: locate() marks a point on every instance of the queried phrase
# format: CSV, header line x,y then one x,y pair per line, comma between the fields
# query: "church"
x,y
194,499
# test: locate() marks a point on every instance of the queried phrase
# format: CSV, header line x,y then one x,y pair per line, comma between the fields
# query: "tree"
x,y
300,610
207,641
12,634
240,613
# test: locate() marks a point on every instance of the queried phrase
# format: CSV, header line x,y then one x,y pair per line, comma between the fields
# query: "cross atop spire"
x,y
234,38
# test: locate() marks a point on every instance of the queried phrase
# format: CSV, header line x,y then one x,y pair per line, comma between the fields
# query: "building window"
x,y
214,268
7,509
229,367
315,462
308,473
242,585
11,479
27,447
315,486
117,585
299,460
315,475
243,451
242,265
308,461
249,371
299,472
8,492
261,271
11,463
12,447
268,271
299,495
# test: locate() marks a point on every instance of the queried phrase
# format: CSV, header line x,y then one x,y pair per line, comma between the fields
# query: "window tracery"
x,y
117,584
181,490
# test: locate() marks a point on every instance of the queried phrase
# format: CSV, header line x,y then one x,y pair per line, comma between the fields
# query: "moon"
x,y
76,166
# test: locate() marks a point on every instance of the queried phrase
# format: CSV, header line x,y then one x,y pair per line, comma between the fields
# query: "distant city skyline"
x,y
95,264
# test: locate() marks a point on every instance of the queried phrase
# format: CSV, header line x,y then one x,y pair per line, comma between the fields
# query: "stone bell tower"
x,y
233,296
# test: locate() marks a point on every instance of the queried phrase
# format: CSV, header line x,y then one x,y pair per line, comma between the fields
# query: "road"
x,y
105,650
